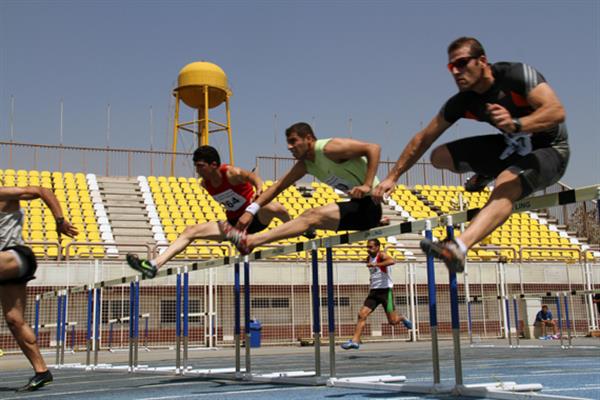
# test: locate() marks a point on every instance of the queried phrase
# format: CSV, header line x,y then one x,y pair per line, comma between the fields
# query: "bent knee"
x,y
14,320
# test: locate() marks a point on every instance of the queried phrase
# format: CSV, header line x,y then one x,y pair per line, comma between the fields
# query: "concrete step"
x,y
141,251
121,197
134,227
125,238
124,203
127,215
116,179
118,188
120,192
137,232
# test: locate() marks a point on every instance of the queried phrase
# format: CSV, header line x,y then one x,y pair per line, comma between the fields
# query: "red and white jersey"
x,y
234,198
380,276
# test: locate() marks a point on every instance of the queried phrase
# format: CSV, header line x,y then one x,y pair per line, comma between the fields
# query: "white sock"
x,y
461,245
153,263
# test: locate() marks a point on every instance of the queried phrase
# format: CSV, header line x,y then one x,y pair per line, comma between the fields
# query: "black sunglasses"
x,y
460,63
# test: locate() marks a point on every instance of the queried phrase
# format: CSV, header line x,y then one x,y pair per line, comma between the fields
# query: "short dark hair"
x,y
376,241
208,154
544,306
302,129
475,46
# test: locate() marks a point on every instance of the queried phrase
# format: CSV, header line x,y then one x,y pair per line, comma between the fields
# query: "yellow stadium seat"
x,y
97,251
83,251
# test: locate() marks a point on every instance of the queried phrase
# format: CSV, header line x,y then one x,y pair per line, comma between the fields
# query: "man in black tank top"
x,y
529,153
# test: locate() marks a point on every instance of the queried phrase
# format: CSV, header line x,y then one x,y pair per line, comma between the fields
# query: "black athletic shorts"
x,y
29,263
481,154
359,214
385,297
255,225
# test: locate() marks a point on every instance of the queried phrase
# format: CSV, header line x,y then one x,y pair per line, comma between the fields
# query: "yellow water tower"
x,y
202,86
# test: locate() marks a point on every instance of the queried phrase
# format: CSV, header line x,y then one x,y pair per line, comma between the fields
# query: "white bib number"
x,y
519,143
230,200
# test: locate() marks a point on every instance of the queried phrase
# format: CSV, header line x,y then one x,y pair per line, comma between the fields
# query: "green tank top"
x,y
342,176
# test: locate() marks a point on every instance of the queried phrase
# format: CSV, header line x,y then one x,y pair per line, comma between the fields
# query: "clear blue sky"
x,y
382,64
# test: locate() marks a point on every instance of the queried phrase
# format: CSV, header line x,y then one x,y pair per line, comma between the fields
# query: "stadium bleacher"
x,y
172,203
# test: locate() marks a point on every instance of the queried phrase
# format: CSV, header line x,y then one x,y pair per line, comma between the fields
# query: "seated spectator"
x,y
544,319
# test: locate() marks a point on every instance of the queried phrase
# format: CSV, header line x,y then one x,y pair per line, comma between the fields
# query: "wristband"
x,y
253,208
517,123
60,221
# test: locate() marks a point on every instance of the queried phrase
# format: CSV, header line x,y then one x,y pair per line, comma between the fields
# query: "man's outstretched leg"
x,y
326,217
14,298
206,231
496,211
354,343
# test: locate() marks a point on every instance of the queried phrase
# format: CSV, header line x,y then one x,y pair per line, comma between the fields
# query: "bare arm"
x,y
47,196
297,172
237,175
415,148
418,145
548,112
346,149
386,261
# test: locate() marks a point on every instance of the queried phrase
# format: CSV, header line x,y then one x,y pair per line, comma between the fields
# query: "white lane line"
x,y
570,389
500,375
179,396
97,390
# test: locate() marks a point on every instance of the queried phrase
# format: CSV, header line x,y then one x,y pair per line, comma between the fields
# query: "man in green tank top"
x,y
345,164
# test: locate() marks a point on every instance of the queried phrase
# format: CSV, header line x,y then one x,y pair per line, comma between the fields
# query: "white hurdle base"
x,y
498,390
305,378
373,379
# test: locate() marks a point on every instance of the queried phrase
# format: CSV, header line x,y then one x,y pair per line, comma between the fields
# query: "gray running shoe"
x,y
448,251
350,345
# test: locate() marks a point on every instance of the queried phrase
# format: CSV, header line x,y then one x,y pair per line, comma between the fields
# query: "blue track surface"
x,y
567,373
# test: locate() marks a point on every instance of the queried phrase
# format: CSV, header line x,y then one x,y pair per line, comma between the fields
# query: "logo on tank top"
x,y
230,200
338,183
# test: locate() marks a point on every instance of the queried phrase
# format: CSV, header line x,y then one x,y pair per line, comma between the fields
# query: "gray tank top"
x,y
11,229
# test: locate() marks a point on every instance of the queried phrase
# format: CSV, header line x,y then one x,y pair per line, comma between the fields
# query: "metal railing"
x,y
99,160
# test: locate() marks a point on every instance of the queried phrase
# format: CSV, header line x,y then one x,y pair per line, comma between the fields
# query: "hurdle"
x,y
498,390
125,320
562,300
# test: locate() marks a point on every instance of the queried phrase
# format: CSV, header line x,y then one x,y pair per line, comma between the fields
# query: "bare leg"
x,y
9,267
326,217
14,298
207,231
362,321
543,323
393,318
496,211
273,210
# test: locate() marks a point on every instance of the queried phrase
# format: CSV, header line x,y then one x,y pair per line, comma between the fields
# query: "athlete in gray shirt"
x,y
17,267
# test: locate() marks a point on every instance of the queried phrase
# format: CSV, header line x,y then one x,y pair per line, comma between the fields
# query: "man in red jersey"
x,y
233,187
